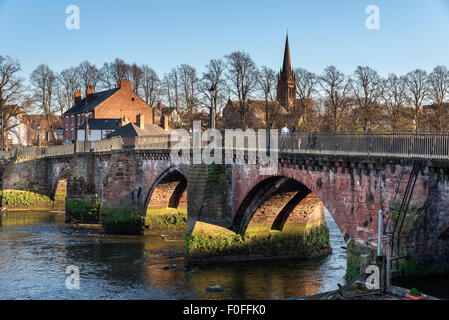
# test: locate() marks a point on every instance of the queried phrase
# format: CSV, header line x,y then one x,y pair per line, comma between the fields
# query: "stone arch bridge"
x,y
353,183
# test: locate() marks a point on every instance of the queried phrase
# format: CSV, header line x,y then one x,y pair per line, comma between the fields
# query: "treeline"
x,y
332,100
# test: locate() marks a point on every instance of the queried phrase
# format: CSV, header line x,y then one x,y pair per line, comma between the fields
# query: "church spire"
x,y
286,67
286,88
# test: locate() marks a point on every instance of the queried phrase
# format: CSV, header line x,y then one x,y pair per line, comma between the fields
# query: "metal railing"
x,y
423,145
427,145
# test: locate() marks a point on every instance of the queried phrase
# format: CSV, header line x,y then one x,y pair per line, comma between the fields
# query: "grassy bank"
x,y
166,219
17,199
201,246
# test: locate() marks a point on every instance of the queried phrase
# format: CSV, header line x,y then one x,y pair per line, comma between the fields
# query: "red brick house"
x,y
110,104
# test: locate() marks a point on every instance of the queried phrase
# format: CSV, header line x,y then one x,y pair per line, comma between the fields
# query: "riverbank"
x,y
24,200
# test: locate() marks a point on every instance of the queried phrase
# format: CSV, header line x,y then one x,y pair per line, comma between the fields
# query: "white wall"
x,y
18,134
94,135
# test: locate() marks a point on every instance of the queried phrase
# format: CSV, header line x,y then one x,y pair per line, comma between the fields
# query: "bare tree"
x,y
43,81
151,85
188,82
417,90
439,90
67,83
242,77
336,88
113,72
10,91
214,77
267,81
306,83
88,74
394,99
106,75
136,75
171,89
367,89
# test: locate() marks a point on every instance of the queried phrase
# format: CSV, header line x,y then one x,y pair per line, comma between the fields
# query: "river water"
x,y
37,247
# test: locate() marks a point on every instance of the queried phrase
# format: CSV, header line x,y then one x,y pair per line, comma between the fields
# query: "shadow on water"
x,y
436,286
36,248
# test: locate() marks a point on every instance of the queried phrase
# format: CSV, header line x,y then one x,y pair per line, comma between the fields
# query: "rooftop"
x,y
102,124
98,98
132,130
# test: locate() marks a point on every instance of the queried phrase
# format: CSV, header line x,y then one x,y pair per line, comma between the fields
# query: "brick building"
x,y
49,133
110,104
162,113
287,109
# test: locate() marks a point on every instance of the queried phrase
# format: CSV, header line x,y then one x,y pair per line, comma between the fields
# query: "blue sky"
x,y
163,34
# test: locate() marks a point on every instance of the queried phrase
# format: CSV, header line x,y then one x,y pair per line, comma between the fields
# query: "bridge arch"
x,y
273,201
61,173
254,190
168,190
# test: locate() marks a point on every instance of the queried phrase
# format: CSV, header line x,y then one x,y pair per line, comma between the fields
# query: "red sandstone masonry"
x,y
353,192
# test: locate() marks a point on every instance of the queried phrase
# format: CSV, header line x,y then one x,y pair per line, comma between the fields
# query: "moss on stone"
x,y
122,221
414,268
83,210
202,245
354,259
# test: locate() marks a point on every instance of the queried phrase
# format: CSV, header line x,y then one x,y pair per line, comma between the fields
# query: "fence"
x,y
425,145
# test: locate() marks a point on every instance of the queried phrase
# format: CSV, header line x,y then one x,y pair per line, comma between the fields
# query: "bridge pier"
x,y
285,222
83,199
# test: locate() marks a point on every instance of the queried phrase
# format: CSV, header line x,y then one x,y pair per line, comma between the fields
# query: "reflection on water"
x,y
36,248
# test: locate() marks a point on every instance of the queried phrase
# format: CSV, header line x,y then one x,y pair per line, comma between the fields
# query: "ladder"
x,y
401,211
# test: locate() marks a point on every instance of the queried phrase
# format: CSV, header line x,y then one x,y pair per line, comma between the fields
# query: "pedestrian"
x,y
284,136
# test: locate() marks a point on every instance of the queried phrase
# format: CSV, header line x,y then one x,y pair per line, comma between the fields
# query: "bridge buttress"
x,y
83,194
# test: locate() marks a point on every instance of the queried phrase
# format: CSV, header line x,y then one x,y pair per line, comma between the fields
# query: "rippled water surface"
x,y
36,248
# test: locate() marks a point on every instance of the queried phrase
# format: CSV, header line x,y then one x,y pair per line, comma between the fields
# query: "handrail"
x,y
402,144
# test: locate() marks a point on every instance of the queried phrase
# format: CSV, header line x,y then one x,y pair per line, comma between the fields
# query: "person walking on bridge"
x,y
284,136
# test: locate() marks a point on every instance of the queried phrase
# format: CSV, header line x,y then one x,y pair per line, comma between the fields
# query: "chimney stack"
x,y
140,120
159,105
123,121
77,96
89,93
